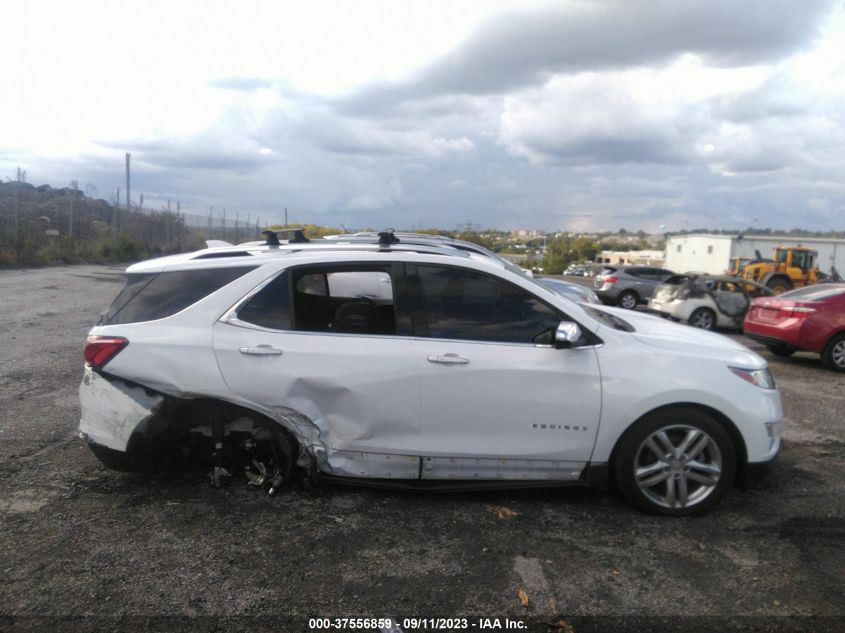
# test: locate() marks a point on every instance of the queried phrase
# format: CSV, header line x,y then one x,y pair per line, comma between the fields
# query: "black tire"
x,y
117,460
833,356
703,318
780,350
705,475
778,285
628,300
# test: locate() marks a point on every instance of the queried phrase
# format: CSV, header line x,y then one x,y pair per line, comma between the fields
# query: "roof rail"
x,y
363,247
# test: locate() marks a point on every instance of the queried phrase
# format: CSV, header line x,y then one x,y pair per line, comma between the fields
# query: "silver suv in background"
x,y
627,286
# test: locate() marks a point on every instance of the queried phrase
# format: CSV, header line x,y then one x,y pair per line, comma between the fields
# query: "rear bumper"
x,y
112,409
768,341
673,308
787,332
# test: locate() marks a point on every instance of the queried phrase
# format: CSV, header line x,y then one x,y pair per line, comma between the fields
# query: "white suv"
x,y
417,365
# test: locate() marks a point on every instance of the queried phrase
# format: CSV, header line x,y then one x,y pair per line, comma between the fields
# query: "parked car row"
x,y
810,319
581,270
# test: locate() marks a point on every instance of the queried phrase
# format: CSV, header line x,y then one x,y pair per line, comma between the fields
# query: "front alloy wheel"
x,y
676,462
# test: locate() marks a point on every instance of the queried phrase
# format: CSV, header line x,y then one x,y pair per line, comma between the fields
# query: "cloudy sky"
x,y
574,115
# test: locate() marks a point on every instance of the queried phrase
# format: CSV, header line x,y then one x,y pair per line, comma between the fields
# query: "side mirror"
x,y
567,334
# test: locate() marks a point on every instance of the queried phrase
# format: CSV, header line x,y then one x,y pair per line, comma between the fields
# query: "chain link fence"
x,y
45,224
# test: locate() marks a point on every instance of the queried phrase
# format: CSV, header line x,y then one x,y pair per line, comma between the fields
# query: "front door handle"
x,y
448,359
261,350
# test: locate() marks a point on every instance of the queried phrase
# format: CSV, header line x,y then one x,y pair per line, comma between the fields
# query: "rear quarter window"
x,y
151,296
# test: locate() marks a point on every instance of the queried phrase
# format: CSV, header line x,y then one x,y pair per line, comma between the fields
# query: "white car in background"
x,y
706,301
416,365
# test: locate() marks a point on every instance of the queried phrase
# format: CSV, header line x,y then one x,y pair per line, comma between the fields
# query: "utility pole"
x,y
224,225
116,218
286,217
210,223
128,203
73,186
18,178
141,217
180,224
237,216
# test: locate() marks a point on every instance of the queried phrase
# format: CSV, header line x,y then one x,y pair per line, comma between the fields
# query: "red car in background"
x,y
810,319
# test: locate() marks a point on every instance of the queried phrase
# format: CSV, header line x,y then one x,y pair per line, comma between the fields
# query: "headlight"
x,y
760,377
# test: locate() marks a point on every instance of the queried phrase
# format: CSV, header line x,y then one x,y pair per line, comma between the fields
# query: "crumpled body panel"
x,y
112,410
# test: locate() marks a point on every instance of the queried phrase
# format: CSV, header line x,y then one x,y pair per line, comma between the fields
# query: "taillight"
x,y
99,350
798,311
610,280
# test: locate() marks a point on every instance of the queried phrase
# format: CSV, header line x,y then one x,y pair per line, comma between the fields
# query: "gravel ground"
x,y
85,548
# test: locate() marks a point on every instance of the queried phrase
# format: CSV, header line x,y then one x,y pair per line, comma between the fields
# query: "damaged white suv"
x,y
415,364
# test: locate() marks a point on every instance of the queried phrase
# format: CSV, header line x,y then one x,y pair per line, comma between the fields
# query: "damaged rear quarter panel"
x,y
112,409
174,355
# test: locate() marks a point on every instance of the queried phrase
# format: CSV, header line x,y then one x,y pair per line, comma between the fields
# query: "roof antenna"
x,y
386,238
272,238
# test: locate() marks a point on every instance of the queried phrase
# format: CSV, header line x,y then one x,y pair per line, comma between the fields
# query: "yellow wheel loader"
x,y
792,267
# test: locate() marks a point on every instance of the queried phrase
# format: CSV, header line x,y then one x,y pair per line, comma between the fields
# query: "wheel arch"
x,y
777,276
740,450
834,334
629,291
180,414
827,346
704,309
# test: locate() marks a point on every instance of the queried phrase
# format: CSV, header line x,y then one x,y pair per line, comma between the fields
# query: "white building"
x,y
712,253
634,258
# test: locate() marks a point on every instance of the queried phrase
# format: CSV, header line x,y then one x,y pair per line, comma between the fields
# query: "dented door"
x,y
364,401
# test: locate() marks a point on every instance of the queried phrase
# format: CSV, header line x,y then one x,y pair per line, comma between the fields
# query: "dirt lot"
x,y
84,548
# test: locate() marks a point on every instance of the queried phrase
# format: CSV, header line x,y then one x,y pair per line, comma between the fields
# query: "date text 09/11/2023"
x,y
394,625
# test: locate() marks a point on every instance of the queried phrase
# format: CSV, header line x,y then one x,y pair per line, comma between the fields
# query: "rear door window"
x,y
350,299
151,296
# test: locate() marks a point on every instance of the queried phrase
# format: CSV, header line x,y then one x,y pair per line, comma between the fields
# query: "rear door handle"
x,y
448,359
261,350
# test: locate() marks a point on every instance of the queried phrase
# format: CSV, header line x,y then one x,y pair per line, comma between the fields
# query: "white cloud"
x,y
560,114
597,118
